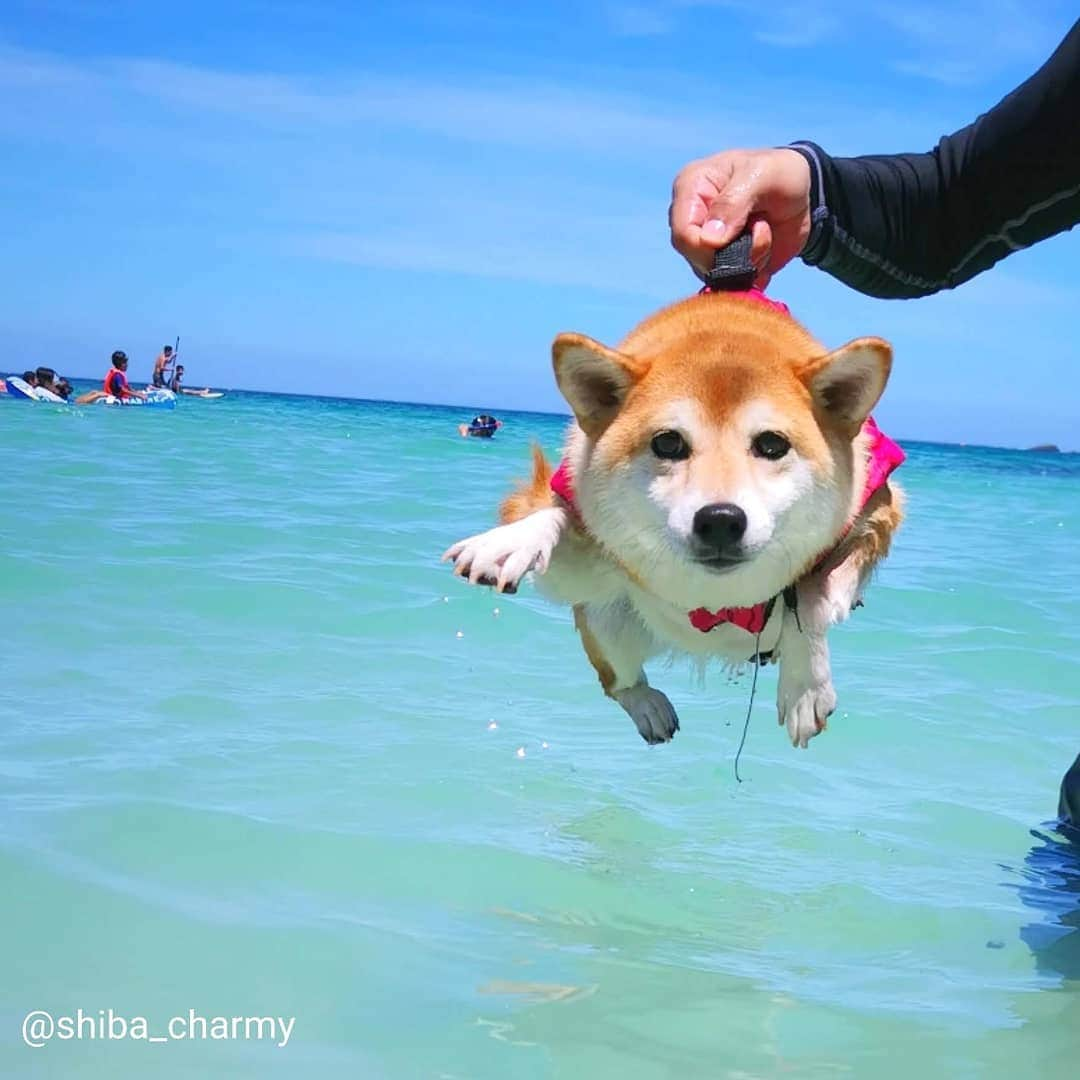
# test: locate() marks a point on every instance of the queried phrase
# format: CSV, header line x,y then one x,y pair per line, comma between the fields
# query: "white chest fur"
x,y
671,628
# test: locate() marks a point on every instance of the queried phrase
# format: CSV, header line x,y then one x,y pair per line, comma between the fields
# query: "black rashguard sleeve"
x,y
908,225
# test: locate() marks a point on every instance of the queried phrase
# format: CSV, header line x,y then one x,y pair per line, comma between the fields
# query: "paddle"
x,y
175,354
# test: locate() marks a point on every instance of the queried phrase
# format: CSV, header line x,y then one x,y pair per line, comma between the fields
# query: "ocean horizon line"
x,y
1058,451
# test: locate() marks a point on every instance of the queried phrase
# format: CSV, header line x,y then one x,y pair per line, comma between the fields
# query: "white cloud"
x,y
962,43
501,177
554,264
638,20
946,72
967,43
497,110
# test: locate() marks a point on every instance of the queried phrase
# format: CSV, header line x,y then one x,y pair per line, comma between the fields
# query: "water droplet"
x,y
460,634
492,726
520,751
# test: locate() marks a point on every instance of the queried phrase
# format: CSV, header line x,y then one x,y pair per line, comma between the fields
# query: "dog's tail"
x,y
532,494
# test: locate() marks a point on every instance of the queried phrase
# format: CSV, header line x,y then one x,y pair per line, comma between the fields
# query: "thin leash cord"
x,y
750,706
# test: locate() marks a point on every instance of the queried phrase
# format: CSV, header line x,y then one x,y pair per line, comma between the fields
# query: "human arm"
x,y
120,387
902,225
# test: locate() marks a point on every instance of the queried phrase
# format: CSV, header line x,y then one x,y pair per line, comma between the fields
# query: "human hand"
x,y
715,198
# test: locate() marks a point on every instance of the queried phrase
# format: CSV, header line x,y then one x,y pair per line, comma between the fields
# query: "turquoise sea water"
x,y
247,767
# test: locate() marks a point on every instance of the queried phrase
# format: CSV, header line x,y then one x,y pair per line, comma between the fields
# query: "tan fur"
x,y
593,650
535,494
870,537
719,352
532,494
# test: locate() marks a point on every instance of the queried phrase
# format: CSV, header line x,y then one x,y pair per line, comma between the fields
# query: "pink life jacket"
x,y
885,456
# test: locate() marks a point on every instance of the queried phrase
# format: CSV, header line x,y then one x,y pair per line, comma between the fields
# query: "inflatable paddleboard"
x,y
20,388
155,399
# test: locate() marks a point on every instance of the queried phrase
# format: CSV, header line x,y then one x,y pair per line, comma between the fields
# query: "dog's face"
x,y
721,435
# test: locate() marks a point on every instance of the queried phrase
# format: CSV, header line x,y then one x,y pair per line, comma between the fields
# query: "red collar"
x,y
885,456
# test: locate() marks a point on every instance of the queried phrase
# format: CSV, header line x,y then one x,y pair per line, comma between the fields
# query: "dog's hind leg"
x,y
617,645
805,694
845,574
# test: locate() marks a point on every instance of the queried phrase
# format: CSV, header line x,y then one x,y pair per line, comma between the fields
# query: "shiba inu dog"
x,y
724,494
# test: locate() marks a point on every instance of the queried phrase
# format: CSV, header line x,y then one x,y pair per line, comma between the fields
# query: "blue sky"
x,y
409,200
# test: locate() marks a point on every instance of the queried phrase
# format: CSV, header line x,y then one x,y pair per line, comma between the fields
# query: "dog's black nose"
x,y
720,525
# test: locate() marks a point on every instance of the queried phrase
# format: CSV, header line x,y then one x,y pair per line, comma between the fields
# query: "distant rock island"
x,y
1045,448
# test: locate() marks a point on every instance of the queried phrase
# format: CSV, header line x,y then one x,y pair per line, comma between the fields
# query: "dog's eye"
x,y
670,445
771,445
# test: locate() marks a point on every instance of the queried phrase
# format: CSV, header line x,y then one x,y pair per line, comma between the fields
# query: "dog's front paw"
x,y
804,709
651,711
503,556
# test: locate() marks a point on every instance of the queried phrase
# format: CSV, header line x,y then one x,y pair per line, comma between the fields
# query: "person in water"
x,y
177,385
30,378
116,383
164,361
1069,799
46,380
482,426
902,225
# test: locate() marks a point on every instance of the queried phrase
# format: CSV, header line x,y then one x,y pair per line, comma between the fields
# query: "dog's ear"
x,y
847,383
594,379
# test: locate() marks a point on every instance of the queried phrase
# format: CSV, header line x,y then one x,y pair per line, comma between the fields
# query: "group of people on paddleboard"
x,y
166,362
167,375
116,382
47,379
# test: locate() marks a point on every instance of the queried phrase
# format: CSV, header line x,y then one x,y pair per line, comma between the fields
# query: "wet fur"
x,y
723,356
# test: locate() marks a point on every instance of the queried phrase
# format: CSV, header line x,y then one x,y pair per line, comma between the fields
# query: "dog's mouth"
x,y
720,564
